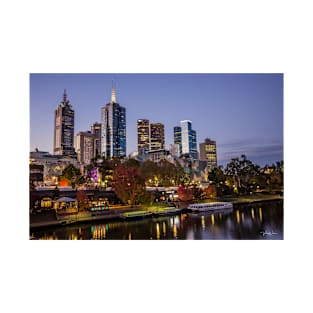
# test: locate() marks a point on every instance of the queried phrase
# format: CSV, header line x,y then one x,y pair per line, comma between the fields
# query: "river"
x,y
262,221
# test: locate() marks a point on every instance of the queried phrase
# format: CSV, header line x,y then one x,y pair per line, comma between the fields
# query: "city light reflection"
x,y
164,229
157,227
174,231
252,213
212,219
202,222
260,214
238,216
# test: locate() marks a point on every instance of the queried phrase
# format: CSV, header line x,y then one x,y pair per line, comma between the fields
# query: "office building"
x,y
96,131
208,152
64,128
113,129
157,141
177,138
143,136
186,138
85,147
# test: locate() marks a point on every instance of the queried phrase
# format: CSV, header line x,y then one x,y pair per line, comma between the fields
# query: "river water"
x,y
255,221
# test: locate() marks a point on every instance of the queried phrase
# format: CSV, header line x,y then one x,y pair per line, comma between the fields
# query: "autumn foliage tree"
x,y
128,183
210,191
184,193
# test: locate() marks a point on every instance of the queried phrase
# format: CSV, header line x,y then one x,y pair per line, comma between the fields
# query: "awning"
x,y
66,199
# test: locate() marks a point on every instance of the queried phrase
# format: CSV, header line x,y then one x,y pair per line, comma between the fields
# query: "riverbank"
x,y
115,213
253,199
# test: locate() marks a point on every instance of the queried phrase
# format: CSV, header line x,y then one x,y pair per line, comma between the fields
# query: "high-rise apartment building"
x,y
113,129
208,152
96,131
143,135
85,147
186,137
157,140
64,128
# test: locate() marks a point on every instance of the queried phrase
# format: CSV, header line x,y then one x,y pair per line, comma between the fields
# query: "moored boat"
x,y
167,211
135,214
210,207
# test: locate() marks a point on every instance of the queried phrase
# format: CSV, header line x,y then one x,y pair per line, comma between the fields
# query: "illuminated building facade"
x,y
113,129
96,131
186,138
64,128
85,147
177,137
157,141
208,152
143,136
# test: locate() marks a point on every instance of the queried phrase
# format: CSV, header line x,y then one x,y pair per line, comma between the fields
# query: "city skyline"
x,y
243,113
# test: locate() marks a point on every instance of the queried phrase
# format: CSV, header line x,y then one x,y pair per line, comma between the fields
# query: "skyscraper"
x,y
177,138
186,137
96,131
113,128
143,135
208,152
85,147
64,128
157,141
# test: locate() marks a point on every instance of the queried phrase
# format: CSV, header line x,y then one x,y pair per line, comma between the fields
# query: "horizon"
x,y
249,105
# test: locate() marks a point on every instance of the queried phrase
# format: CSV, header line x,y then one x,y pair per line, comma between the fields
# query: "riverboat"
x,y
134,215
210,207
166,211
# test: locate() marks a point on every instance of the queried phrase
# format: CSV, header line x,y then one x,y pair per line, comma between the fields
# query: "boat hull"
x,y
211,207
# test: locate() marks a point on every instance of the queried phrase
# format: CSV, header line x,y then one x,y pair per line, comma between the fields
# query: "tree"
x,y
242,172
184,193
210,192
128,183
72,175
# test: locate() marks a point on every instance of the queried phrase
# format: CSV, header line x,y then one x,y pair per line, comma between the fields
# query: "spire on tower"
x,y
64,96
113,95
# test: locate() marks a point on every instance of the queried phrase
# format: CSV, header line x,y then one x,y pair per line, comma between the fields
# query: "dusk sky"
x,y
242,112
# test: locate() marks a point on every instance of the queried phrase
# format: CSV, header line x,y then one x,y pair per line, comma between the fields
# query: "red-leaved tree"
x,y
184,193
127,183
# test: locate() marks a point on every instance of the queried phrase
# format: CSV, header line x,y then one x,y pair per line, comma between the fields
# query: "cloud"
x,y
259,151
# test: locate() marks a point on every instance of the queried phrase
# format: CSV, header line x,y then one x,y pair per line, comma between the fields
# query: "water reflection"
x,y
237,216
263,221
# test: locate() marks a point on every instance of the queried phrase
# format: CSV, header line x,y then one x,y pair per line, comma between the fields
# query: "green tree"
x,y
242,173
73,175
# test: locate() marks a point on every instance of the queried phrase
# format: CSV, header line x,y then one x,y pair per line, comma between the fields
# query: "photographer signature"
x,y
269,233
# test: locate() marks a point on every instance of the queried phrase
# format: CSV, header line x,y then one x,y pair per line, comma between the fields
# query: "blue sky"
x,y
242,112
